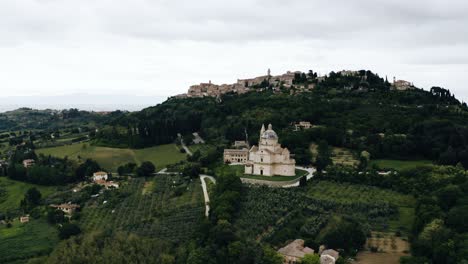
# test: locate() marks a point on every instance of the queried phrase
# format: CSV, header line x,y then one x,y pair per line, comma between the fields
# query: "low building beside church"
x,y
269,158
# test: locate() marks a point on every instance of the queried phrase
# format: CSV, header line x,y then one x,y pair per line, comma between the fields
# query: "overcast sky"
x,y
158,48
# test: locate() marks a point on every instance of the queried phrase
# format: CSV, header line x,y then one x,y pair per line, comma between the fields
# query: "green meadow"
x,y
11,193
111,158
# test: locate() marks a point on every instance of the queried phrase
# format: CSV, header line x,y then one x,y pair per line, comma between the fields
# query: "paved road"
x,y
205,192
197,139
309,176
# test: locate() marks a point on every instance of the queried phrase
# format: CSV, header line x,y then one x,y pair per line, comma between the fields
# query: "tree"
x,y
146,168
323,156
311,259
32,198
69,229
192,170
364,159
55,216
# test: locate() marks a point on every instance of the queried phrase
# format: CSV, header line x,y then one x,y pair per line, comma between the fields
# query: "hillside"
x,y
386,122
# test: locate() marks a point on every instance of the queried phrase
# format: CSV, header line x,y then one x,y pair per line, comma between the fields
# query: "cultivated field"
x,y
23,241
111,158
355,194
164,206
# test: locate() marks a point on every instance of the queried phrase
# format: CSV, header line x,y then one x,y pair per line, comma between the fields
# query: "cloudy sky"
x,y
140,51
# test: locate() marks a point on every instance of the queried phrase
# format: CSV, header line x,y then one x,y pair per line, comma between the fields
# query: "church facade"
x,y
269,158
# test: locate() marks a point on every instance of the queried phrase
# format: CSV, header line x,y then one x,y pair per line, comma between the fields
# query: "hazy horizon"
x,y
86,102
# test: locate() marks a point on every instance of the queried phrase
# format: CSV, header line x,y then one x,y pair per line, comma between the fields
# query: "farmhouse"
x,y
302,125
107,184
269,158
100,175
28,163
24,219
294,251
67,208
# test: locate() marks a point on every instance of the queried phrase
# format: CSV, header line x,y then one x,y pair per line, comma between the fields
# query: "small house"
x,y
28,163
67,208
24,219
100,175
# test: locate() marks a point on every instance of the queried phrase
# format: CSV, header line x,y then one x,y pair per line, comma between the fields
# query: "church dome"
x,y
269,134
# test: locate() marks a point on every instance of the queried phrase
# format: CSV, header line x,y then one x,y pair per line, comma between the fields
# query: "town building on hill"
x,y
402,85
28,163
100,175
294,252
269,158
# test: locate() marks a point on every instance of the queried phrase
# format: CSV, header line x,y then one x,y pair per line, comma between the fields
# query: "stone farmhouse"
x,y
27,163
107,184
67,208
294,252
100,175
302,125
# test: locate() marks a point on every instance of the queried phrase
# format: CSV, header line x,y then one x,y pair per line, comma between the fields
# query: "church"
x,y
269,158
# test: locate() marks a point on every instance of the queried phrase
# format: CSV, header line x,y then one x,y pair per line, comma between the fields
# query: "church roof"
x,y
269,133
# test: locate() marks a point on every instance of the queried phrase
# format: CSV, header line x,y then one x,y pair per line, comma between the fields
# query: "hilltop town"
x,y
294,81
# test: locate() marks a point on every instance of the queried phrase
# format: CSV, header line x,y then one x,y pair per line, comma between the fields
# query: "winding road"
x,y
205,192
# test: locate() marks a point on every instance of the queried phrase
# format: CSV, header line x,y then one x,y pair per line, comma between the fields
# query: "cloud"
x,y
160,47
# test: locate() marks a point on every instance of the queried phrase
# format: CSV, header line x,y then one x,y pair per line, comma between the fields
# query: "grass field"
x,y
238,170
23,241
398,164
13,191
111,158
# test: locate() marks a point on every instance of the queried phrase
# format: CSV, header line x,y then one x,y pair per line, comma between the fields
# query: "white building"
x,y
100,175
269,158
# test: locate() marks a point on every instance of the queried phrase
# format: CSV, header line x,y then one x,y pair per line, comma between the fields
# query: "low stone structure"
x,y
294,251
329,256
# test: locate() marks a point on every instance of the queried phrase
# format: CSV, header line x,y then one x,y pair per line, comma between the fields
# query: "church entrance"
x,y
261,172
